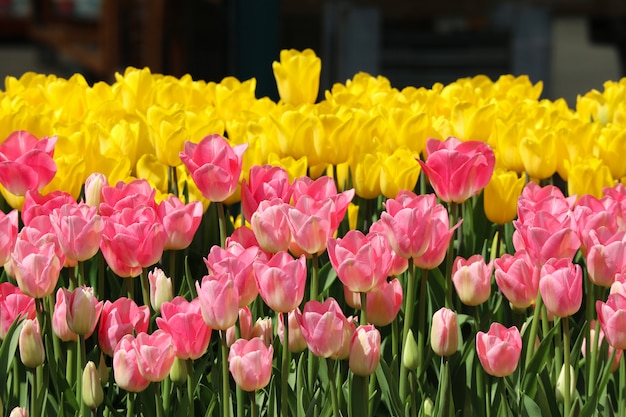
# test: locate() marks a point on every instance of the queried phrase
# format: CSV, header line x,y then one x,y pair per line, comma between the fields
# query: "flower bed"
x,y
433,251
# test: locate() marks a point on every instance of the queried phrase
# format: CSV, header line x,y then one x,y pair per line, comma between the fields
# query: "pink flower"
x,y
605,255
32,352
561,286
325,328
517,277
155,355
266,182
79,231
383,304
133,239
236,261
214,166
183,321
281,281
181,221
160,288
82,310
126,366
362,262
93,188
458,170
320,190
14,305
594,350
119,318
8,234
444,332
612,317
26,163
398,263
243,324
270,224
250,363
364,350
472,279
133,195
311,225
219,301
499,349
550,199
59,319
36,205
296,340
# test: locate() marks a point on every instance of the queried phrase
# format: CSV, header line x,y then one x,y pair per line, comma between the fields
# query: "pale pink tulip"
x,y
93,189
472,279
550,199
36,205
266,182
219,301
26,162
160,288
263,328
82,310
59,319
517,277
126,366
132,195
296,340
311,225
8,234
236,261
594,350
250,363
458,170
119,318
325,328
30,344
243,325
364,350
383,305
561,287
499,349
444,332
281,281
398,263
19,412
270,225
214,166
14,305
605,255
612,317
181,221
79,231
155,354
320,190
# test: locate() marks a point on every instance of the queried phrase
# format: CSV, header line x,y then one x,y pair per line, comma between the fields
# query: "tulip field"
x,y
177,247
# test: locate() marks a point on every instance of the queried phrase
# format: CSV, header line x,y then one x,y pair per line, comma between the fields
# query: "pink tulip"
x,y
8,234
517,277
59,319
499,349
236,261
219,301
36,205
79,231
281,281
325,328
26,162
126,366
133,239
119,318
444,332
472,279
155,354
590,214
250,363
18,412
37,261
82,310
383,305
362,262
296,340
364,350
600,338
266,182
160,288
612,317
458,170
550,199
605,255
263,329
320,190
398,263
243,325
30,343
619,284
244,237
311,225
181,221
14,305
561,286
214,166
270,224
133,195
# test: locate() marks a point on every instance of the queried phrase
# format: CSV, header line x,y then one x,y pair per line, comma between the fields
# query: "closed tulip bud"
x,y
410,357
18,412
93,189
472,279
32,352
560,384
365,350
160,289
444,334
297,76
82,310
92,387
178,373
428,407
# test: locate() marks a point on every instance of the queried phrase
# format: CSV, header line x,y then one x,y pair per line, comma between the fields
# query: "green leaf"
x,y
531,409
537,362
389,389
327,275
8,349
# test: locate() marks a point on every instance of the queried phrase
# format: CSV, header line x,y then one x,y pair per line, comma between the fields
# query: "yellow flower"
x,y
409,129
471,122
297,130
612,147
353,215
334,144
297,76
295,168
501,194
588,176
507,138
366,170
155,172
136,89
539,155
576,139
168,133
232,96
400,171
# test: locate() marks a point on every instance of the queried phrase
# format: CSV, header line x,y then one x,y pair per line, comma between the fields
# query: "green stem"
x,y
80,365
145,288
314,277
534,327
394,340
190,390
172,256
130,404
332,387
314,292
363,320
34,400
621,410
173,181
592,357
408,319
253,408
444,397
100,289
454,214
225,376
166,388
566,359
421,324
504,402
81,273
360,396
284,386
158,400
480,379
221,215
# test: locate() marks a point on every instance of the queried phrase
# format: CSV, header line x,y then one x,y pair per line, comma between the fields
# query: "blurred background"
x,y
573,46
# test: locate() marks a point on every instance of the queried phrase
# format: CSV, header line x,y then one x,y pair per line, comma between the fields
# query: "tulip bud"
x,y
365,350
92,387
444,334
160,289
410,357
178,373
32,352
93,189
18,412
82,310
428,407
560,383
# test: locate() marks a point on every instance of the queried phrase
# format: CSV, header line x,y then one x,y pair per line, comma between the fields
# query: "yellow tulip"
x,y
295,168
612,147
576,139
538,155
353,216
507,138
471,122
588,176
154,171
232,96
366,170
501,194
400,171
168,133
297,76
297,130
409,129
136,89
